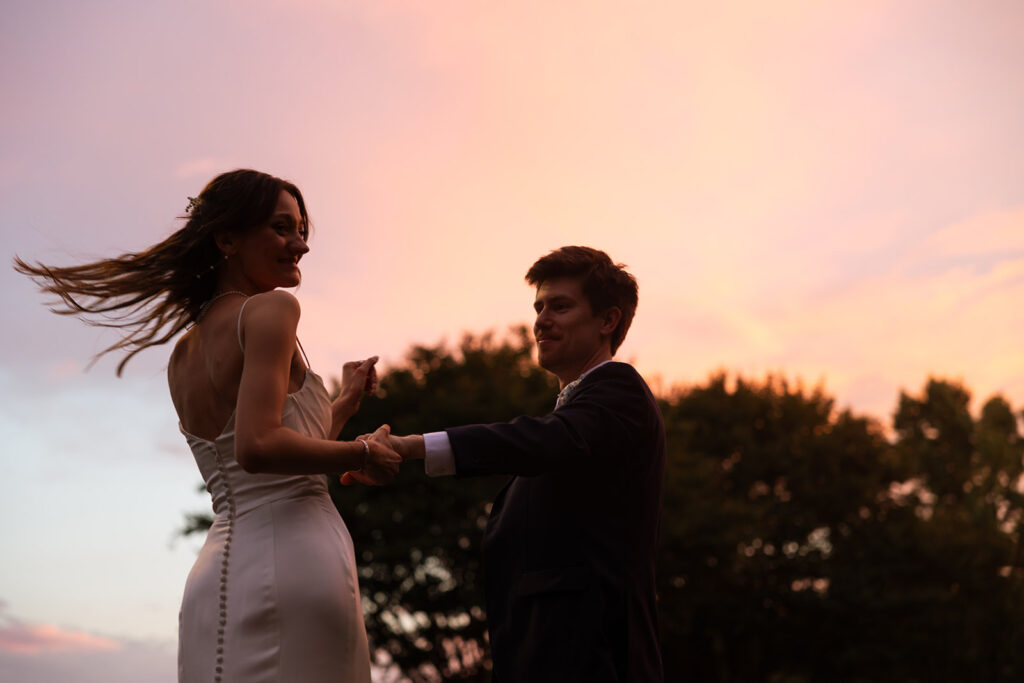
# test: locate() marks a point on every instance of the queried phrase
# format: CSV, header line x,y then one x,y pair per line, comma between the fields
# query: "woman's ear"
x,y
227,242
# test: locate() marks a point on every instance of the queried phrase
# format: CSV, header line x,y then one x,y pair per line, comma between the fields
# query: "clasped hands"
x,y
385,452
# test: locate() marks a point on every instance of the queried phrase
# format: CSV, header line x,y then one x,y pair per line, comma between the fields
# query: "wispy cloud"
x,y
33,652
135,662
994,233
63,368
24,638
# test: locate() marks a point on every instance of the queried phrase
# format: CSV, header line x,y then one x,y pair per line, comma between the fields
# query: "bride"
x,y
273,595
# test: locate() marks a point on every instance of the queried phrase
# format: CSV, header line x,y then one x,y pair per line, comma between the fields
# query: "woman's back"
x,y
205,368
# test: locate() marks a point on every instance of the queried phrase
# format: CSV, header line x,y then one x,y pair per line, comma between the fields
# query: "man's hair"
x,y
605,284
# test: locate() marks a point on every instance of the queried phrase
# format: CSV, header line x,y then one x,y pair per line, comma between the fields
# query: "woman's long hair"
x,y
154,294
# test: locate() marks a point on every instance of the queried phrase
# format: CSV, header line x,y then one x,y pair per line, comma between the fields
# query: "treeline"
x,y
799,542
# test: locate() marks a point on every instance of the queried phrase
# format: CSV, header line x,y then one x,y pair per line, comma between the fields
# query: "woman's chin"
x,y
291,280
280,283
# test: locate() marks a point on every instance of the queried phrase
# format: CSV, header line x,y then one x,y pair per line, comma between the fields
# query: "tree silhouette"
x,y
799,543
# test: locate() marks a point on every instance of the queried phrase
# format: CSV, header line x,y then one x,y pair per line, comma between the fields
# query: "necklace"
x,y
206,306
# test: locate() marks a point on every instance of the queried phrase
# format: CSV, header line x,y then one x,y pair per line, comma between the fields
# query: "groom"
x,y
570,545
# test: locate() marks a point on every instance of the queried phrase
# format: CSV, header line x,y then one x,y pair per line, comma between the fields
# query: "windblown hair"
x,y
605,284
154,294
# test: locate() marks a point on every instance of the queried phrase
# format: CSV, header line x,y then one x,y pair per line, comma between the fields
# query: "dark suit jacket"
x,y
570,545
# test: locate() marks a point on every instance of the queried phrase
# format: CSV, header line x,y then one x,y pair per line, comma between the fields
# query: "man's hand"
x,y
381,463
409,447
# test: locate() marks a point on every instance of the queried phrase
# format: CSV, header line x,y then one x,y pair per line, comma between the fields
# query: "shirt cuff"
x,y
439,460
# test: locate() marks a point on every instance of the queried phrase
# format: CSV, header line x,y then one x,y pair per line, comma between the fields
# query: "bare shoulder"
x,y
270,316
274,302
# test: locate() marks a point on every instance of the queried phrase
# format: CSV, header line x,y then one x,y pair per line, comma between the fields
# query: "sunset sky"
x,y
829,191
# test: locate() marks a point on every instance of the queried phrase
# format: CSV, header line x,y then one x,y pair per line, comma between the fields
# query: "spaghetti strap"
x,y
240,344
304,356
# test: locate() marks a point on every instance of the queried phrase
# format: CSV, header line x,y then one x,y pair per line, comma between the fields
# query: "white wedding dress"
x,y
273,595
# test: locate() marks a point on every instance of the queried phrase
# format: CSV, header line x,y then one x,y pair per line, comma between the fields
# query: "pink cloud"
x,y
33,639
66,367
129,662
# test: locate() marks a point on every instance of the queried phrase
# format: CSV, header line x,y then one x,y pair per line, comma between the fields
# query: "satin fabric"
x,y
274,593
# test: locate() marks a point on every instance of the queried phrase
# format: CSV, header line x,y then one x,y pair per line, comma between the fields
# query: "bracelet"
x,y
366,454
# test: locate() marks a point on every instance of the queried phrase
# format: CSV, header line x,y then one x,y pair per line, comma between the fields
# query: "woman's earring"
x,y
213,267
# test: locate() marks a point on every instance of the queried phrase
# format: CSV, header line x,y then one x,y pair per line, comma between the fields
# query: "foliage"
x,y
802,544
799,542
763,481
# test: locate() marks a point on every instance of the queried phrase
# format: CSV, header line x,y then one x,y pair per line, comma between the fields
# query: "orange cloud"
x,y
991,233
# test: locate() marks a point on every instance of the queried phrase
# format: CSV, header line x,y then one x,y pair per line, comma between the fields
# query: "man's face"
x,y
568,333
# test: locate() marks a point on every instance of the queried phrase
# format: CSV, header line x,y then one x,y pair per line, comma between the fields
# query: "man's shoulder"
x,y
615,377
615,370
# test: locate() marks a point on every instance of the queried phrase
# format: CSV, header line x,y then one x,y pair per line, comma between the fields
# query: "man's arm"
x,y
601,421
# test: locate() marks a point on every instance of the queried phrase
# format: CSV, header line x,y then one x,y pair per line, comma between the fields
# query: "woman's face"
x,y
268,256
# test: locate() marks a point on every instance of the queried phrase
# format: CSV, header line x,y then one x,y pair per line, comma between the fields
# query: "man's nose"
x,y
543,319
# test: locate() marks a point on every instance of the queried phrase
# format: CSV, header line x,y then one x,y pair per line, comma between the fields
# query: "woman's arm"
x,y
262,443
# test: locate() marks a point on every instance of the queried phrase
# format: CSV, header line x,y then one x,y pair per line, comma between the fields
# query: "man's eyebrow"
x,y
558,298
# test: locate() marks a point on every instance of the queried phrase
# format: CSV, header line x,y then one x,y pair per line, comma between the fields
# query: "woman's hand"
x,y
357,378
382,461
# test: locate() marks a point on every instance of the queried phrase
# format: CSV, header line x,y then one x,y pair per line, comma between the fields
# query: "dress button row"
x,y
219,669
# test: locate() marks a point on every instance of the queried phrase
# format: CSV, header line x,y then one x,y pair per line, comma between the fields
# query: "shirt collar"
x,y
569,388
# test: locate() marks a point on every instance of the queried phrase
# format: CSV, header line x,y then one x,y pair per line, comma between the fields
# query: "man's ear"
x,y
610,320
